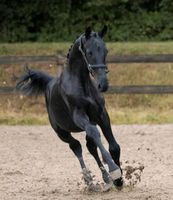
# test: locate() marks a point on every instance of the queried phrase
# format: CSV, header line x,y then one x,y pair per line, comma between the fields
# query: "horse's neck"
x,y
77,70
77,76
77,65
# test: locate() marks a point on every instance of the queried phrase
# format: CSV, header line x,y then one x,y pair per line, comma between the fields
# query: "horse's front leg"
x,y
82,121
92,148
114,147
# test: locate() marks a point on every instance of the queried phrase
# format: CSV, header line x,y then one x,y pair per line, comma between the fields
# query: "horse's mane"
x,y
69,50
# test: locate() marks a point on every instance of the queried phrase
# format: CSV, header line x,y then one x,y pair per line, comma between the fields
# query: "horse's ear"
x,y
103,32
88,32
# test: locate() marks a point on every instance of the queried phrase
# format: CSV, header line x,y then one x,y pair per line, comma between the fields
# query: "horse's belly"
x,y
64,121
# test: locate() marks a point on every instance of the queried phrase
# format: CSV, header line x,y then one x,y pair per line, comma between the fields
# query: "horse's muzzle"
x,y
103,85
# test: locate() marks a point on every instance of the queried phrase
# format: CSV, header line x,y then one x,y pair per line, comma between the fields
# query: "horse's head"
x,y
94,53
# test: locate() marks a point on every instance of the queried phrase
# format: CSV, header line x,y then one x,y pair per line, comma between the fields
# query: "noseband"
x,y
89,66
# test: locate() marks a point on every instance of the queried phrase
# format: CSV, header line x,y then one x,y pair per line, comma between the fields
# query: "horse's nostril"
x,y
102,87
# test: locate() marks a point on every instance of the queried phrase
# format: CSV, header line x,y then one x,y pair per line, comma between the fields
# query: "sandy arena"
x,y
36,165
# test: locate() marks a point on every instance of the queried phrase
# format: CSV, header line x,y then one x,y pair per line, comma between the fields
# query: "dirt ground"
x,y
36,165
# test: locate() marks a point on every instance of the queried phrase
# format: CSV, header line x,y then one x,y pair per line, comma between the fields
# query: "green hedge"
x,y
63,20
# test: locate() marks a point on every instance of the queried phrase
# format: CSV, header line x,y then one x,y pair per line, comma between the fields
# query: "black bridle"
x,y
89,66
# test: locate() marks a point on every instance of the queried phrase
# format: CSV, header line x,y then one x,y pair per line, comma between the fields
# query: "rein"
x,y
89,66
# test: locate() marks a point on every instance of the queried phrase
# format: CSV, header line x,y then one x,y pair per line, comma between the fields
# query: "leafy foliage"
x,y
62,20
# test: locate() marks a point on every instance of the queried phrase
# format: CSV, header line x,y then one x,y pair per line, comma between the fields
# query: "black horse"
x,y
75,103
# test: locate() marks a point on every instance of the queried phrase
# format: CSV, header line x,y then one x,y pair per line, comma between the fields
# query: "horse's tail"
x,y
33,83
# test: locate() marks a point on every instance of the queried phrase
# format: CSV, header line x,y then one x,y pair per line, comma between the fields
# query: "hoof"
x,y
118,183
87,177
93,188
107,187
117,179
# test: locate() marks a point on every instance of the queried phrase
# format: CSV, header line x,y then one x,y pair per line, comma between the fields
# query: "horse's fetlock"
x,y
116,174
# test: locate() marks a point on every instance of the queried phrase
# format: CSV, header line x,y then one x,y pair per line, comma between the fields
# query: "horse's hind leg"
x,y
75,146
92,148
